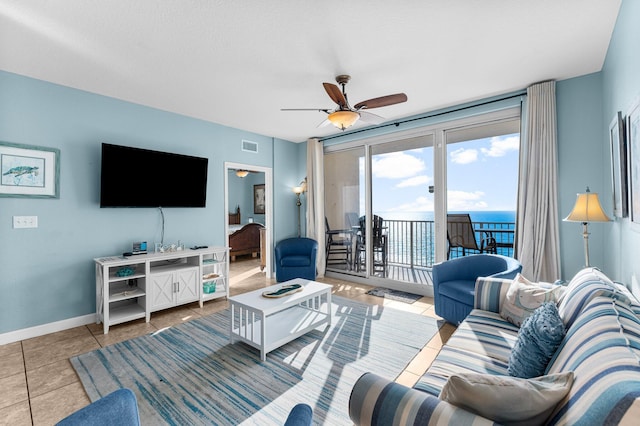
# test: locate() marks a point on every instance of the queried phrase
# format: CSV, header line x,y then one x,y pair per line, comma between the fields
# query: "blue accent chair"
x,y
454,282
300,415
296,258
118,408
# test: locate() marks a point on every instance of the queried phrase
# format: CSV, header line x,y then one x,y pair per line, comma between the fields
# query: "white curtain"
x,y
537,237
315,199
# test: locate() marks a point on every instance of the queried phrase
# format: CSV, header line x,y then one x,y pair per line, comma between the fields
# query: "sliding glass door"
x,y
344,204
390,200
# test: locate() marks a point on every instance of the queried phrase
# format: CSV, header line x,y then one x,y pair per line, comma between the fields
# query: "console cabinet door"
x,y
162,290
188,289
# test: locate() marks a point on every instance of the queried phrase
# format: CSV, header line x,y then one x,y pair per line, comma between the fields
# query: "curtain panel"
x,y
315,200
537,238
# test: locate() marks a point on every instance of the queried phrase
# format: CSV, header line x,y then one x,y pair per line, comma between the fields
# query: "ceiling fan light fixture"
x,y
343,119
242,173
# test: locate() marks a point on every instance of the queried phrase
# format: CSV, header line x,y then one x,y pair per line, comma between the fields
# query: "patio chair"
x,y
378,243
460,233
338,246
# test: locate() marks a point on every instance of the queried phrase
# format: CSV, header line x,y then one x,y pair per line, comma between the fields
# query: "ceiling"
x,y
238,63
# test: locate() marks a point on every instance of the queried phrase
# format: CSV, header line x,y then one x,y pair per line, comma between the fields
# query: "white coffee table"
x,y
267,324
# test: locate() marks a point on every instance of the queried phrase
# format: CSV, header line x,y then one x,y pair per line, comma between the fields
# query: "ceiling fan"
x,y
344,115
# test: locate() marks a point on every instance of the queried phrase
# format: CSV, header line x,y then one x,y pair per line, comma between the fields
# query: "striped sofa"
x,y
601,347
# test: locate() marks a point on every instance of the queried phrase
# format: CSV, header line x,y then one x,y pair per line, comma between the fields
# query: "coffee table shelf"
x,y
267,323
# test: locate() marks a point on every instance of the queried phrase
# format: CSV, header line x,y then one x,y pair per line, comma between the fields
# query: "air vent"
x,y
249,146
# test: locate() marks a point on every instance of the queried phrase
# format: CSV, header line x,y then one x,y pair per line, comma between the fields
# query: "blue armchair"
x,y
454,282
117,408
296,258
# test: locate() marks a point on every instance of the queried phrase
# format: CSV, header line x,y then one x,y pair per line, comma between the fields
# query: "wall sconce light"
x,y
298,190
587,209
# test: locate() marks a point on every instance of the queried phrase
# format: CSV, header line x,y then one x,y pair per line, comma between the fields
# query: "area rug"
x,y
191,374
400,296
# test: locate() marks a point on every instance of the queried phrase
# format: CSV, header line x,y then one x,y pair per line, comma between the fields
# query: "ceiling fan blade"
x,y
368,117
382,101
306,109
325,123
335,94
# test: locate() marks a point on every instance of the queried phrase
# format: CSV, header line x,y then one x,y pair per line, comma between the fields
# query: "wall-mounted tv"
x,y
134,177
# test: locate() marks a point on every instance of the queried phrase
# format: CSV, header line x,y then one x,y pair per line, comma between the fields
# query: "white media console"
x,y
129,288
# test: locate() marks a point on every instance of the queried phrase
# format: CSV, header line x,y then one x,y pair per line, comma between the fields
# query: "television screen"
x,y
134,177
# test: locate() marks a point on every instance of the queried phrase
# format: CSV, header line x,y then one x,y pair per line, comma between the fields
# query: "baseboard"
x,y
41,330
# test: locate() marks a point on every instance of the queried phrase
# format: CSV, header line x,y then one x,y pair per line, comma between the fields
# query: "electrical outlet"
x,y
25,221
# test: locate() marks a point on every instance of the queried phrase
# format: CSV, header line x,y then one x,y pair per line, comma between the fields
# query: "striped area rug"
x,y
191,375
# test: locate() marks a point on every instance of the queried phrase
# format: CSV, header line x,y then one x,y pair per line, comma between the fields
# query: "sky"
x,y
482,175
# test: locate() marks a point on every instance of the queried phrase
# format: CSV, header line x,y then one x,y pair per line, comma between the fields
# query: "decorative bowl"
x,y
125,271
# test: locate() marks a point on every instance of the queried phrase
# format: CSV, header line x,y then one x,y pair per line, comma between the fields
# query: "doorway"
x,y
253,196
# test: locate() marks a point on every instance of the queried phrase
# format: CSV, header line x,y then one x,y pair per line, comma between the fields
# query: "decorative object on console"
x,y
587,209
28,171
125,271
298,190
139,247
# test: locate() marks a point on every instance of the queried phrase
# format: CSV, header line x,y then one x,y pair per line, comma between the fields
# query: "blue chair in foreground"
x,y
296,258
300,415
117,408
454,282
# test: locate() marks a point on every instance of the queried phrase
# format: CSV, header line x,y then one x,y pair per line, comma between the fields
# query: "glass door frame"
x,y
438,131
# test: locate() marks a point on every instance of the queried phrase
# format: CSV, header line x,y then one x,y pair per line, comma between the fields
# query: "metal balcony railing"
x,y
412,242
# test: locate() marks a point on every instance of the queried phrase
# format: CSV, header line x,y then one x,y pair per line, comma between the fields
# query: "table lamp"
x,y
587,209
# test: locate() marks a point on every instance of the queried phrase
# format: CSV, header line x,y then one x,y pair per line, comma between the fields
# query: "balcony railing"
x,y
412,242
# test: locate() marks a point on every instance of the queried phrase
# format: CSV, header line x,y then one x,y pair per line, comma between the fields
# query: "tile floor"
x,y
38,386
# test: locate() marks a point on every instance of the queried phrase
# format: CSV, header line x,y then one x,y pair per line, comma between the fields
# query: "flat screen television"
x,y
135,177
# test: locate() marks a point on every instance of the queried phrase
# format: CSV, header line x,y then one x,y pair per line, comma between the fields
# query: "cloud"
x,y
420,204
500,145
464,156
461,200
396,165
415,181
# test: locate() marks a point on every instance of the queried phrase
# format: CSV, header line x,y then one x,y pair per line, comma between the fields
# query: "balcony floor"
x,y
398,272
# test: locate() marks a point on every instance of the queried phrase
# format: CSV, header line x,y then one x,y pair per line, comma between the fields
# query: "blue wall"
x,y
48,273
241,194
580,164
621,84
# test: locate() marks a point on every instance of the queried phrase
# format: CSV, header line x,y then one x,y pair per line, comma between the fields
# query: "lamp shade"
x,y
343,119
587,209
242,173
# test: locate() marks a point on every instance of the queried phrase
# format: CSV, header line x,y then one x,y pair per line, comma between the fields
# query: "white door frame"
x,y
268,206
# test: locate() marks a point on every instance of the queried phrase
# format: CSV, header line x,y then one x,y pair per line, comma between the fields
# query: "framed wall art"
x,y
619,166
258,199
29,171
633,141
